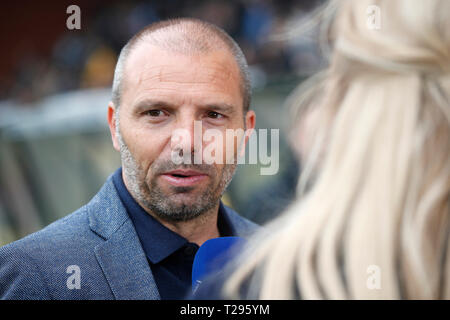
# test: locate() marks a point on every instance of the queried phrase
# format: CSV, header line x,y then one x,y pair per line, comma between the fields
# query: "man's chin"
x,y
180,210
180,203
182,206
181,199
184,199
187,194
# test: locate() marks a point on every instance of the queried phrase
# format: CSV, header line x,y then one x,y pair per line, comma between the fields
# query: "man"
x,y
136,239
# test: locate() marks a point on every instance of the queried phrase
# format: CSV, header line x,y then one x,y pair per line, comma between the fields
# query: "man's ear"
x,y
112,125
250,119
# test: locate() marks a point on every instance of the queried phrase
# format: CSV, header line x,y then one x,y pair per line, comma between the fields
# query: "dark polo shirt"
x,y
169,255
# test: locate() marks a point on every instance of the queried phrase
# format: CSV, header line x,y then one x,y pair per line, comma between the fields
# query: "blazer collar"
x,y
120,256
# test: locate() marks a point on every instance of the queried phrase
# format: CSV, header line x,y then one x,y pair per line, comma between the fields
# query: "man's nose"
x,y
187,134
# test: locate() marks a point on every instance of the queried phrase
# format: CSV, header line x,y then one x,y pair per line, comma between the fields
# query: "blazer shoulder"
x,y
20,277
69,229
62,238
30,267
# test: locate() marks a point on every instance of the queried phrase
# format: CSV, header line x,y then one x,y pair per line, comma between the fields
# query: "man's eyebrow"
x,y
221,107
146,104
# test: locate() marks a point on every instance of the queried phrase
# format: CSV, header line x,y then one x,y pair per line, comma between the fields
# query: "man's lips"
x,y
184,178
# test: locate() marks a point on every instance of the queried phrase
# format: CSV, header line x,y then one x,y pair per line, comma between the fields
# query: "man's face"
x,y
164,92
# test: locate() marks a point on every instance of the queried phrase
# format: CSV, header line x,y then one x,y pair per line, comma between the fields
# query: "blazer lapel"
x,y
125,266
120,256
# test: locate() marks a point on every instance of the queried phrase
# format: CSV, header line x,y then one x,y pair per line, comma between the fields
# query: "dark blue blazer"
x,y
99,239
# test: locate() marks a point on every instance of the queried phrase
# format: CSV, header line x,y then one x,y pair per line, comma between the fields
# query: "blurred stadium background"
x,y
55,148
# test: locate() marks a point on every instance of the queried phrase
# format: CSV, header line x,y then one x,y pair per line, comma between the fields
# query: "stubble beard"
x,y
153,199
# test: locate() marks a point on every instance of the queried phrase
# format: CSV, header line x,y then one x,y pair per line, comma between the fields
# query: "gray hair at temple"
x,y
186,36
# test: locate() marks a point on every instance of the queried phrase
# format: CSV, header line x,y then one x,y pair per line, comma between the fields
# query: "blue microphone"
x,y
212,255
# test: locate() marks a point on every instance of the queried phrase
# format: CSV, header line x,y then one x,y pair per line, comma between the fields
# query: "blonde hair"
x,y
381,153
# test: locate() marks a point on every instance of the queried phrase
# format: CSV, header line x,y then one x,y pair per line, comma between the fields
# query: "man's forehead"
x,y
149,63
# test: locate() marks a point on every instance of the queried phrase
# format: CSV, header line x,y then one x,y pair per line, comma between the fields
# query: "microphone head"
x,y
212,255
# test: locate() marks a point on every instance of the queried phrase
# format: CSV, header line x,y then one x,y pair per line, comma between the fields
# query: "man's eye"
x,y
214,115
154,113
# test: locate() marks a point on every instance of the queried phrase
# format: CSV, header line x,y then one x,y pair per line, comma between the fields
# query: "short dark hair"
x,y
184,35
